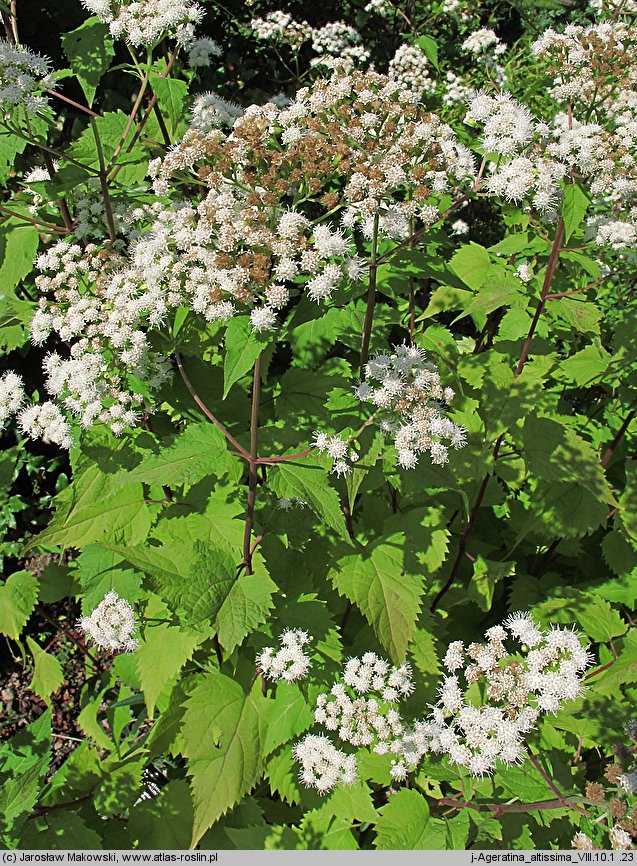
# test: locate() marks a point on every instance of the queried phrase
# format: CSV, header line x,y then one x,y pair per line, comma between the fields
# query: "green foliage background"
x,y
545,522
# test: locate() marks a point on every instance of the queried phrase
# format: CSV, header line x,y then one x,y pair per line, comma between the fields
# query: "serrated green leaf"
x,y
245,607
172,99
375,581
293,479
599,620
18,597
242,350
472,264
90,50
406,825
199,452
97,506
221,737
160,656
573,208
47,675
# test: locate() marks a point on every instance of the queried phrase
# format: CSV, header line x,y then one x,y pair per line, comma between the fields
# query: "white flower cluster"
x,y
619,840
577,56
210,111
340,44
146,22
111,625
546,671
336,448
279,26
482,40
408,396
455,89
336,44
202,51
45,421
289,663
410,67
361,711
11,396
23,76
380,7
98,309
324,766
243,212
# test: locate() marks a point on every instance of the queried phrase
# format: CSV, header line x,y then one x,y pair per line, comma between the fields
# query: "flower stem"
x,y
371,298
252,484
112,234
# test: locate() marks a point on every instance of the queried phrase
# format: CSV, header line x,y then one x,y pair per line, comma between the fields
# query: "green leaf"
x,y
289,715
430,48
119,789
18,248
472,264
18,597
193,577
222,736
160,656
242,350
245,607
25,757
406,825
293,479
199,452
587,365
600,621
376,582
172,99
555,452
90,50
486,574
573,208
523,783
165,821
47,676
97,506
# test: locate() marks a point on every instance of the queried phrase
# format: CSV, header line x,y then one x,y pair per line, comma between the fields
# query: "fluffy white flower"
x,y
289,663
11,396
112,624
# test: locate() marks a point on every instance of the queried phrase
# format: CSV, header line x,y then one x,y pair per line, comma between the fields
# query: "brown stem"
x,y
608,456
243,453
14,21
131,116
257,541
252,484
44,810
285,457
371,299
160,120
72,102
464,538
64,208
48,226
552,784
112,234
499,809
548,279
144,120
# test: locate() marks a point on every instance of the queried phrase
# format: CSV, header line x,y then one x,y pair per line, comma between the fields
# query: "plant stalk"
x,y
253,479
371,298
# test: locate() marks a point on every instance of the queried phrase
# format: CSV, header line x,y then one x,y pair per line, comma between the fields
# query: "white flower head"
x,y
111,625
289,663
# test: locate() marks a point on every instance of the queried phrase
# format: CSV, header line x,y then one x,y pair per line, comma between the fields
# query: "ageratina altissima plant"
x,y
476,728
291,194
